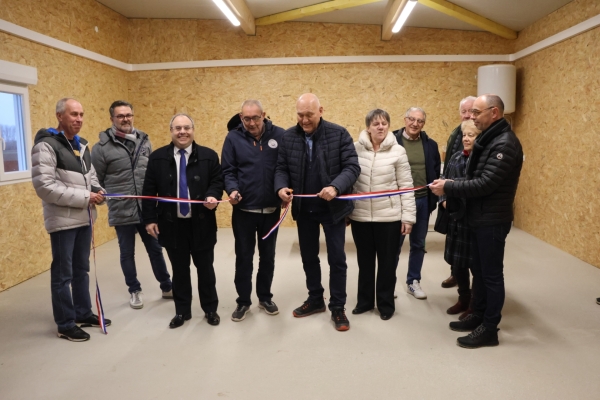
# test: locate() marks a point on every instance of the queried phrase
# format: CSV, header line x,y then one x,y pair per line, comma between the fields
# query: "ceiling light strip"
x,y
408,7
227,11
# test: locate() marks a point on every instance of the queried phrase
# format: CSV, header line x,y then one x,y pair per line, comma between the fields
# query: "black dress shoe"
x,y
213,318
178,320
360,310
385,317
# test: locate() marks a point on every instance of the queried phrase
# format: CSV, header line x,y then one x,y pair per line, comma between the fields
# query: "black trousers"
x,y
182,283
309,230
377,241
248,228
487,245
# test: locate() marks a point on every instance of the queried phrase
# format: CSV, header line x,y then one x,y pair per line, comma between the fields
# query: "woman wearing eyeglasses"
x,y
457,252
379,223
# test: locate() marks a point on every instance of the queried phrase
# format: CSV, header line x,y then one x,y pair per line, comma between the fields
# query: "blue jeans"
x,y
487,247
335,238
126,238
69,279
246,228
417,241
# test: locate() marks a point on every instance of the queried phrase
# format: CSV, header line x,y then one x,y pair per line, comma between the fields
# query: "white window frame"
x,y
25,175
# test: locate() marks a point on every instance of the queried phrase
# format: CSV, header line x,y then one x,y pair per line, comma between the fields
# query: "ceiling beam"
x,y
308,11
244,15
470,17
393,11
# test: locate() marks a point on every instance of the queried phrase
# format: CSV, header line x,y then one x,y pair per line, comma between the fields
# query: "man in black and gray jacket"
x,y
492,176
120,158
64,178
248,161
319,157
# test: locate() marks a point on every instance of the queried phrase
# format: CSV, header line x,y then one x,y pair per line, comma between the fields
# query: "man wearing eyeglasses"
x,y
185,170
248,160
120,158
492,176
424,160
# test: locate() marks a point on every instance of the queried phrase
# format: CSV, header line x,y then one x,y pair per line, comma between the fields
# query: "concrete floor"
x,y
549,338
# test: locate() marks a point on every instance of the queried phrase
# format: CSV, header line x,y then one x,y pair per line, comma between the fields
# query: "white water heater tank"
x,y
499,79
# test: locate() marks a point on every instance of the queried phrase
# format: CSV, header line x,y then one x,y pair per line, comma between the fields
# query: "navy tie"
x,y
184,208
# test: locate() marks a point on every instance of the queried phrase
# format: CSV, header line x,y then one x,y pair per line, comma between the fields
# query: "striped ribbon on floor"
x,y
99,307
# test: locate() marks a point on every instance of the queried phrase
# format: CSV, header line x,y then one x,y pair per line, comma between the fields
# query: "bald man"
x,y
492,177
318,157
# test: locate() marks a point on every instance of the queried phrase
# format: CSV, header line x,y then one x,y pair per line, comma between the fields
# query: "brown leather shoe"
x,y
458,308
465,314
449,283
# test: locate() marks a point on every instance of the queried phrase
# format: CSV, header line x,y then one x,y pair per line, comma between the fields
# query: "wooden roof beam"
x,y
244,15
308,11
470,17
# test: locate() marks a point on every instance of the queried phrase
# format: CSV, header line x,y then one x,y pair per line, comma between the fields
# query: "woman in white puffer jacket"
x,y
377,224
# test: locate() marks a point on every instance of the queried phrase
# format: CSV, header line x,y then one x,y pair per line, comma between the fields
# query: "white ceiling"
x,y
514,14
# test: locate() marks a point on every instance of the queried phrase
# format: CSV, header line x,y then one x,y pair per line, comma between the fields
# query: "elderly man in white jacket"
x,y
377,224
65,180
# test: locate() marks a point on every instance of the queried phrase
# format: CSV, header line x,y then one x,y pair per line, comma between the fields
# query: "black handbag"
x,y
441,221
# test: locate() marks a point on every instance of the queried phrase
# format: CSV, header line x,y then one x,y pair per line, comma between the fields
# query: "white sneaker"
x,y
136,300
415,290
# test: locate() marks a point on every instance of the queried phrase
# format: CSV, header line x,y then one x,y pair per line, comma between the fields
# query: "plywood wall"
x,y
74,22
24,242
565,17
190,40
558,122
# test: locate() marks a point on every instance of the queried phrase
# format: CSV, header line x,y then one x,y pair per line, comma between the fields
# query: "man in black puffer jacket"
x,y
493,172
317,156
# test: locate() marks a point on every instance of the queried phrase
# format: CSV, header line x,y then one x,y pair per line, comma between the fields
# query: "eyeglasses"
x,y
185,128
121,116
254,119
474,112
412,119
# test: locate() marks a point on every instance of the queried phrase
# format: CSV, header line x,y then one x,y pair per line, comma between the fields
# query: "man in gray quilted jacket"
x,y
64,179
120,158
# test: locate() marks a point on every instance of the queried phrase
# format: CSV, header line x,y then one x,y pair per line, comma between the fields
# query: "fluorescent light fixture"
x,y
410,4
225,10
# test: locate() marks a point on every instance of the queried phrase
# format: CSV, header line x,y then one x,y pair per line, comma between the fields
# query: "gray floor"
x,y
549,338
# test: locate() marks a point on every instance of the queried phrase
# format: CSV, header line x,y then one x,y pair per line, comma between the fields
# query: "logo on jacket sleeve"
x,y
144,151
272,143
499,156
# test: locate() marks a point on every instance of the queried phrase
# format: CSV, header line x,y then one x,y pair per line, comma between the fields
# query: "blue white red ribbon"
x,y
354,196
161,199
99,307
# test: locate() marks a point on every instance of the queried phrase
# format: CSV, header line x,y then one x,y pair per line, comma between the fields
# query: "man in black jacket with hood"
x,y
492,173
318,157
248,160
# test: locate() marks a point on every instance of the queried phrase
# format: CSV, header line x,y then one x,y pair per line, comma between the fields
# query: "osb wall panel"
x,y
347,92
73,21
558,122
24,242
188,40
565,17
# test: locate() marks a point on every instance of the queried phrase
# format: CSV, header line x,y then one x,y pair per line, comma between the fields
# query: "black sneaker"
x,y
91,321
240,313
598,300
338,316
74,334
309,308
269,306
480,337
469,323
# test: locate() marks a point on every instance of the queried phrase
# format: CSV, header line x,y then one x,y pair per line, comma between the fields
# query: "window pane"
x,y
12,131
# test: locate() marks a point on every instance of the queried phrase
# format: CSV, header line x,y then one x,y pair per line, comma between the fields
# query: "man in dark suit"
x,y
185,169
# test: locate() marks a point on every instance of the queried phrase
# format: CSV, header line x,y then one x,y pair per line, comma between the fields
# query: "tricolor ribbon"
x,y
99,307
161,199
354,196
